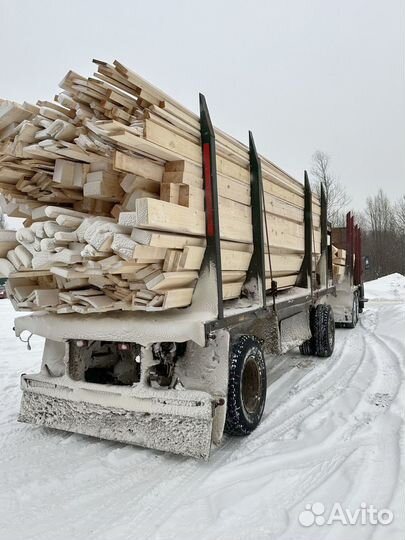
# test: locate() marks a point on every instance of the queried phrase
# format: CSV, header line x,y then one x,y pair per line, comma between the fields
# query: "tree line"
x,y
382,221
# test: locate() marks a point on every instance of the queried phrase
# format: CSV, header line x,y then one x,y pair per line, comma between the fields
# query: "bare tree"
x,y
400,214
336,195
383,239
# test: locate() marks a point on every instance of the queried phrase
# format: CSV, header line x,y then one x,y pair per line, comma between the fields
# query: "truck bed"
x,y
144,328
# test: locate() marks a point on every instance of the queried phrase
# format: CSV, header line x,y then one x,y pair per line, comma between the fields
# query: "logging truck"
x,y
176,380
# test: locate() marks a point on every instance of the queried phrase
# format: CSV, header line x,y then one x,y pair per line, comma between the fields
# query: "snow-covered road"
x,y
333,432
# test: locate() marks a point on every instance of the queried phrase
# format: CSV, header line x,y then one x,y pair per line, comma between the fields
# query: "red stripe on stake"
x,y
208,190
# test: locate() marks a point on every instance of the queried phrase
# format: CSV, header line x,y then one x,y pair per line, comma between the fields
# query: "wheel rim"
x,y
251,385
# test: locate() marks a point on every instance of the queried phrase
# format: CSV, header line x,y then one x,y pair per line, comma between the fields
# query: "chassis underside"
x,y
164,395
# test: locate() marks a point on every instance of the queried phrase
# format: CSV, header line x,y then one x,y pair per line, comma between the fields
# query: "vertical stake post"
x,y
324,232
257,270
349,244
306,268
213,250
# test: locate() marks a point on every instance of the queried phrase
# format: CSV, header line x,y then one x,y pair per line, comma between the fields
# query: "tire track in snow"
x,y
320,368
230,446
384,393
95,489
325,389
323,463
312,479
197,473
332,453
380,463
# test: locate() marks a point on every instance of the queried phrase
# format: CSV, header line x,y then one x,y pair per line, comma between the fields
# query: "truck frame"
x,y
175,381
349,300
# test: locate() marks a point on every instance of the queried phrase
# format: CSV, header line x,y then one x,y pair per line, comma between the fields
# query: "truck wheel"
x,y
308,347
361,302
355,312
247,386
324,330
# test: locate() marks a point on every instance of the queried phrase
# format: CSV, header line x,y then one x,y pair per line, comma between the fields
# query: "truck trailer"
x,y
178,380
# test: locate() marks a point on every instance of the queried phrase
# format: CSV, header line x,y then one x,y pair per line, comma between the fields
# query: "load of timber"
x,y
108,178
338,263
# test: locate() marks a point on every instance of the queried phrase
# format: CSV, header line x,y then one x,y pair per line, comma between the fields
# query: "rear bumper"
x,y
177,421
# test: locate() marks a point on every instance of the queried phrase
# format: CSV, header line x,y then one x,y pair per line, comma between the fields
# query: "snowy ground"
x,y
333,431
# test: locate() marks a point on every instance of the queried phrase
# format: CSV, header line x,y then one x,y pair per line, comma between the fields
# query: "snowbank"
x,y
391,287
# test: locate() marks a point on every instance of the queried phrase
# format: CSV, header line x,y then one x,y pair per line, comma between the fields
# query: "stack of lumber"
x,y
338,263
108,178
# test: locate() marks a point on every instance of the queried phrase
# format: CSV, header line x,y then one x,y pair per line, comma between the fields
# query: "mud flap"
x,y
182,427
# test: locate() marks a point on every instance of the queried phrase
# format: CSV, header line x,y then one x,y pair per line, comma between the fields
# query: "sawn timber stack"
x,y
109,180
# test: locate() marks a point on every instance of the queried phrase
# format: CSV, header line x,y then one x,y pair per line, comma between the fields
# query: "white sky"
x,y
301,74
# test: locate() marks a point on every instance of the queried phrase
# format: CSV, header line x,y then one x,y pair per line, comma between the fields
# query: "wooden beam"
x,y
167,240
178,298
132,182
191,258
183,178
282,282
235,260
184,166
138,166
170,193
171,280
231,290
160,215
104,190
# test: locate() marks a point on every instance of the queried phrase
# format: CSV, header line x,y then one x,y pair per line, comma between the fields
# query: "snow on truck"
x,y
161,260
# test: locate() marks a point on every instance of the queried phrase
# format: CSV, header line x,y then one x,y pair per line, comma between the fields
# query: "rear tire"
x,y
324,330
307,348
247,386
361,302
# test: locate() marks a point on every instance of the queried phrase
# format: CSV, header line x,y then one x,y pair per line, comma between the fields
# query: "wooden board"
x,y
170,141
132,182
183,178
232,290
167,240
171,280
137,165
191,258
7,241
235,260
282,282
170,193
160,215
184,166
106,190
178,298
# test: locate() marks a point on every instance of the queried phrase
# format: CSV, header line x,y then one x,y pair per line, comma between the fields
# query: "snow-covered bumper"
x,y
178,421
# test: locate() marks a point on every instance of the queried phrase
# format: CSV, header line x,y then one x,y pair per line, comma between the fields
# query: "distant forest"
x,y
382,221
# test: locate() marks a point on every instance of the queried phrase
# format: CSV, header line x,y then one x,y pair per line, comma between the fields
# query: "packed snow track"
x,y
332,432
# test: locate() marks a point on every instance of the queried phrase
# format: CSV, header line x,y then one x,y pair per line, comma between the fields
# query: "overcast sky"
x,y
301,74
